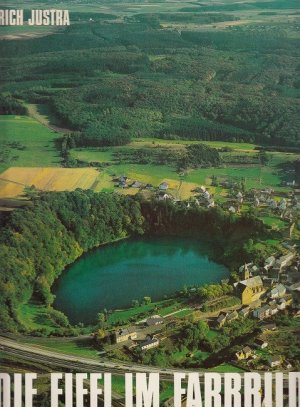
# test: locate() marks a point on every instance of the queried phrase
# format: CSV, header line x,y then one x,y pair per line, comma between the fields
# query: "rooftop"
x,y
148,341
252,282
125,331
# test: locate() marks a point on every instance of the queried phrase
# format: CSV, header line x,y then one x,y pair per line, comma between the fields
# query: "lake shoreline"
x,y
129,270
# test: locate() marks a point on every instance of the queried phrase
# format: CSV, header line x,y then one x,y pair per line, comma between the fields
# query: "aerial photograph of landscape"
x,y
150,190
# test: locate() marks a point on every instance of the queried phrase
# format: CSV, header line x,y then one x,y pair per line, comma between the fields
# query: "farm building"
x,y
283,261
125,334
149,343
273,308
232,316
136,184
269,327
155,320
269,262
163,186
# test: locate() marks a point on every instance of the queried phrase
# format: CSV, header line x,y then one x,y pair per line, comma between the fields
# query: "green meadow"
x,y
254,175
35,316
27,143
165,307
74,346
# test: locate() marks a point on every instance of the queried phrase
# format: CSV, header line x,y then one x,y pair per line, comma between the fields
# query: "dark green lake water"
x,y
112,276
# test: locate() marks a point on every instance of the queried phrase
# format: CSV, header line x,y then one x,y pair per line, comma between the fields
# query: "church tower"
x,y
245,273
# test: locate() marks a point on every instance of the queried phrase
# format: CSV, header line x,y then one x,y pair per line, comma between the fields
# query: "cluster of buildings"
x,y
247,353
124,182
281,203
226,317
264,293
149,341
272,307
234,205
284,205
204,197
275,277
266,197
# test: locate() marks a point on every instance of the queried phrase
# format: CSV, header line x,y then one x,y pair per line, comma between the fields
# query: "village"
x,y
233,196
262,293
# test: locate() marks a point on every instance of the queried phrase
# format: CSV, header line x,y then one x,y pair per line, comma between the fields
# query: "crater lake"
x,y
113,275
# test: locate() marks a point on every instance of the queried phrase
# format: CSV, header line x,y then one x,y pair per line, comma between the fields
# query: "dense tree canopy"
x,y
10,105
144,76
37,243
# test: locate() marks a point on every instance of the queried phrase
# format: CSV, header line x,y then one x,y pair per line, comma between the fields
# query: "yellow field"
x,y
14,180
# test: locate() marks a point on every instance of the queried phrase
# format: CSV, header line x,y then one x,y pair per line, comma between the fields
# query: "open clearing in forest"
x,y
25,32
14,180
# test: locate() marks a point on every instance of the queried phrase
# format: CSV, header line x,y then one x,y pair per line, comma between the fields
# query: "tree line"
x,y
10,105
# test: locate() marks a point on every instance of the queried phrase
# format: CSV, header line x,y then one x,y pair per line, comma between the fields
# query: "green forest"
x,y
111,77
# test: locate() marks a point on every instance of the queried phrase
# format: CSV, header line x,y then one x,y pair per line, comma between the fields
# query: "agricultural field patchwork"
x,y
145,82
33,149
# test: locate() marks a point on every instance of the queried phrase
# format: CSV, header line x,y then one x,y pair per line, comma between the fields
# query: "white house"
x,y
281,305
155,320
206,195
284,261
269,262
149,343
273,204
274,361
278,291
260,343
163,186
282,205
262,312
162,196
